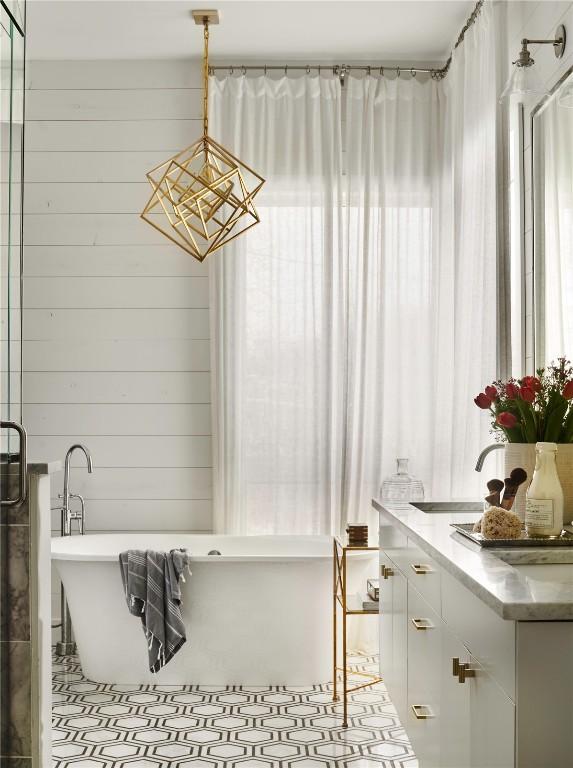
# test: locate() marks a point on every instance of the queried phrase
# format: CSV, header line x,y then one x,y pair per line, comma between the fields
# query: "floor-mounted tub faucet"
x,y
66,646
67,514
484,453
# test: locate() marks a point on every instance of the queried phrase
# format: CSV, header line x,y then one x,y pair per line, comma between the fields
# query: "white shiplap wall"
x,y
116,337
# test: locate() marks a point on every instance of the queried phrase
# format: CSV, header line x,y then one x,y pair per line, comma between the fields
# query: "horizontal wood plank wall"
x,y
116,336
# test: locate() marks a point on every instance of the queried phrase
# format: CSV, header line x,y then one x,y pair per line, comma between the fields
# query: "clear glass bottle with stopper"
x,y
544,498
402,486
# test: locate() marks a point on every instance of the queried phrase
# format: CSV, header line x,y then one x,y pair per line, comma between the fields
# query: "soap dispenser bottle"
x,y
544,498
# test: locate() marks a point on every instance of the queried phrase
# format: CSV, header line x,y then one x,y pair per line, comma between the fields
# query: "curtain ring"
x,y
231,71
397,71
286,69
413,72
307,69
265,70
381,71
319,69
368,70
243,70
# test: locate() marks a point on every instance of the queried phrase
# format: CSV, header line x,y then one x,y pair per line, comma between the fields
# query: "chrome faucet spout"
x,y
87,454
488,449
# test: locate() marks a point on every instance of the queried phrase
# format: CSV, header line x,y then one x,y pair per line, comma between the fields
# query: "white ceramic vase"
x,y
523,455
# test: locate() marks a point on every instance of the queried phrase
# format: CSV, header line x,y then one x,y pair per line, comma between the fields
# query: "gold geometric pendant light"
x,y
203,196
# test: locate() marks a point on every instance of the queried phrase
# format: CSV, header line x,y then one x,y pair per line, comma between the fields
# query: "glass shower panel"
x,y
11,146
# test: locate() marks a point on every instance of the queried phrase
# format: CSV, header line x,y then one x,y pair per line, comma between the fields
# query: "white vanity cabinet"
x,y
451,724
446,604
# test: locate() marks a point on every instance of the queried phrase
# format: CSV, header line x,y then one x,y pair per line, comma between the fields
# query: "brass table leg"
x,y
334,628
344,660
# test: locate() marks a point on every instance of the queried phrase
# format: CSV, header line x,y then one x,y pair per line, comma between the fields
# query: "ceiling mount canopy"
x,y
203,196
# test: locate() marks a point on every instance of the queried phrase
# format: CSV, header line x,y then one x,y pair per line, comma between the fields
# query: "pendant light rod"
x,y
206,77
204,18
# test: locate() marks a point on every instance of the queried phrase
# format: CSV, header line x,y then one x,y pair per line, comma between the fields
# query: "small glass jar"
x,y
402,486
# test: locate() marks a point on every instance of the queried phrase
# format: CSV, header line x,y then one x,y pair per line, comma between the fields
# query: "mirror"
x,y
552,190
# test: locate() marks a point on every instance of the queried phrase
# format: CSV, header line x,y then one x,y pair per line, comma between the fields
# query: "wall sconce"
x,y
524,80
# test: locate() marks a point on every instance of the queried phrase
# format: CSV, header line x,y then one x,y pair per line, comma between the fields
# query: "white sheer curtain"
x,y
275,325
466,341
394,158
357,322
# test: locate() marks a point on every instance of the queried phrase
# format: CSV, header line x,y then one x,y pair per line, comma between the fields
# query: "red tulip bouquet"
x,y
534,408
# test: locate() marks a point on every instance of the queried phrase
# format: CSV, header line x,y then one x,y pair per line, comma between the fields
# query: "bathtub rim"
x,y
79,556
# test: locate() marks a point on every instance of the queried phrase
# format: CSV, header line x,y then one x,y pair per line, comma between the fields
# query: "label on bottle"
x,y
539,513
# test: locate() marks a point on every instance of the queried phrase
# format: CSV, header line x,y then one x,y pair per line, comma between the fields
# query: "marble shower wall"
x,y
15,631
25,619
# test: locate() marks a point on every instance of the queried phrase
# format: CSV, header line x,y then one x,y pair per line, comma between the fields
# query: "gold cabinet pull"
x,y
455,666
465,672
421,569
422,712
422,624
386,572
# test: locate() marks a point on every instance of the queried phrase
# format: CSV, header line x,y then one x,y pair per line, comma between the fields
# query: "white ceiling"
x,y
380,30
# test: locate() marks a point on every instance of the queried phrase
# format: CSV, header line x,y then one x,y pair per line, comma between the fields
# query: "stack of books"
x,y
357,535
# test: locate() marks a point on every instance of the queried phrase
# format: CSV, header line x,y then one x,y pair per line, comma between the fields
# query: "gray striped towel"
x,y
151,581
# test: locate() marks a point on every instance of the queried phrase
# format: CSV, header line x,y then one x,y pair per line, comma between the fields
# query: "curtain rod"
x,y
337,69
437,73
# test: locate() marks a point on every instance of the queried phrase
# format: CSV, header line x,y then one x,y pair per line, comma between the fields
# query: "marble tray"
x,y
466,529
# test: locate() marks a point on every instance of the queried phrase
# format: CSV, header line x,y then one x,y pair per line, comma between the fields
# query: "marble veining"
x,y
15,582
491,577
15,695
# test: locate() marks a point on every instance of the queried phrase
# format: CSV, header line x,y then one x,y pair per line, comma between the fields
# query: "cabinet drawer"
x,y
488,637
422,572
423,722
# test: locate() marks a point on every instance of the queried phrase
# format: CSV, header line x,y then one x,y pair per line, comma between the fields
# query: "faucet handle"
x,y
79,516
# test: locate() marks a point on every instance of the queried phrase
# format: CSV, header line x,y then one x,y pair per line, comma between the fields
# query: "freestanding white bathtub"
x,y
258,614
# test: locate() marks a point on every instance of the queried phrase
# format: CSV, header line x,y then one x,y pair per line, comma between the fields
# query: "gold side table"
x,y
341,553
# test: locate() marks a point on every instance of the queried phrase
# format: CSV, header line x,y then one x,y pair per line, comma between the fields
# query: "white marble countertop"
x,y
511,593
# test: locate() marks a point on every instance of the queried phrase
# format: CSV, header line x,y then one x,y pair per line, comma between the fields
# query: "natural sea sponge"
x,y
498,523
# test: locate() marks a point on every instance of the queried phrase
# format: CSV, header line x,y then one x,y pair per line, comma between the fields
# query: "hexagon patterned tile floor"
x,y
105,726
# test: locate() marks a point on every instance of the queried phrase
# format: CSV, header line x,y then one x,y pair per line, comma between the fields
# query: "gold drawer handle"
x,y
455,666
386,572
421,569
465,672
422,624
422,712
